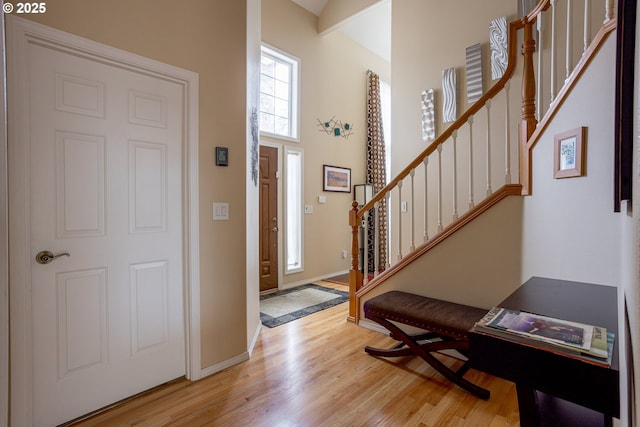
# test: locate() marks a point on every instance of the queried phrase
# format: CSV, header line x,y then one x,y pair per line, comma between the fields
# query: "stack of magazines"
x,y
592,344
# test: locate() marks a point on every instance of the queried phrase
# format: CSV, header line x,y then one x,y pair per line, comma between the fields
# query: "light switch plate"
x,y
220,211
308,209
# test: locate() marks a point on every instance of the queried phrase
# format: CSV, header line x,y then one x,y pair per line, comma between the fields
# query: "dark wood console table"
x,y
554,389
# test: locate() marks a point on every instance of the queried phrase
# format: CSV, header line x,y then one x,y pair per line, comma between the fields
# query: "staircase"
x,y
477,154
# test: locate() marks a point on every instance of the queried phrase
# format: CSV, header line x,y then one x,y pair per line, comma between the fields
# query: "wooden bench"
x,y
446,326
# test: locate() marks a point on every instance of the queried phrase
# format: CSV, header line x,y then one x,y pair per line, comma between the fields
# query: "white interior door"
x,y
105,187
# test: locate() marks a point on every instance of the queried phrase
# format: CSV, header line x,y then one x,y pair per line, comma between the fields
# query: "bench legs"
x,y
415,348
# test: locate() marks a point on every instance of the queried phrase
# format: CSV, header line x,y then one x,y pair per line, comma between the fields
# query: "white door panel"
x,y
105,187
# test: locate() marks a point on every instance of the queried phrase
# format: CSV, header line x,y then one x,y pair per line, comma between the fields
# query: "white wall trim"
x,y
312,279
368,324
254,340
214,369
24,32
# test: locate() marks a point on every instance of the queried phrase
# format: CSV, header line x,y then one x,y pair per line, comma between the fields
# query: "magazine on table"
x,y
571,337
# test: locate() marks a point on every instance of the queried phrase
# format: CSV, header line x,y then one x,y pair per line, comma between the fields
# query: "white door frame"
x,y
22,33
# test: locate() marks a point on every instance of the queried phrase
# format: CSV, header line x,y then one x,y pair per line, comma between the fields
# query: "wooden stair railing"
x,y
531,124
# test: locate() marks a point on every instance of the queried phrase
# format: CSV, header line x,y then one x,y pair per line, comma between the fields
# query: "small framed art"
x,y
335,178
568,157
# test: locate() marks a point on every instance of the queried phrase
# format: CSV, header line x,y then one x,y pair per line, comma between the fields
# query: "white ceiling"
x,y
371,28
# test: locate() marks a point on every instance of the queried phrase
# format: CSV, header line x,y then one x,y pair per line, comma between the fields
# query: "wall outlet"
x,y
344,254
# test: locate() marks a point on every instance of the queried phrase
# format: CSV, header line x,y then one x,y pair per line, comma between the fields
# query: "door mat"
x,y
291,304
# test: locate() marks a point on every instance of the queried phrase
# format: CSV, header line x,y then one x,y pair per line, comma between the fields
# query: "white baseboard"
x,y
243,357
254,340
210,370
311,280
368,324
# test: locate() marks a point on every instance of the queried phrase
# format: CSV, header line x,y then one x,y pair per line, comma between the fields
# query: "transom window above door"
x,y
278,94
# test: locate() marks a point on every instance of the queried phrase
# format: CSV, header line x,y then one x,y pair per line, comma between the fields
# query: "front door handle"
x,y
45,257
274,229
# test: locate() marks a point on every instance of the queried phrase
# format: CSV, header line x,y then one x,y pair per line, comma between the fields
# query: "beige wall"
x,y
565,230
426,40
338,11
478,265
209,38
570,229
631,250
333,82
424,43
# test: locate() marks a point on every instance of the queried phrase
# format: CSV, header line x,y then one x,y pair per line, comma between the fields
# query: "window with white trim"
x,y
278,93
293,208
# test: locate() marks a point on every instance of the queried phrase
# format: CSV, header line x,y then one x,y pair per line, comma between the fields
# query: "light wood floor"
x,y
314,372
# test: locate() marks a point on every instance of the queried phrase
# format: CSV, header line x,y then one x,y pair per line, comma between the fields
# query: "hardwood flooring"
x,y
314,372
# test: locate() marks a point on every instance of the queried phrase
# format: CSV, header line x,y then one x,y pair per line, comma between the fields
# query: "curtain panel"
x,y
376,169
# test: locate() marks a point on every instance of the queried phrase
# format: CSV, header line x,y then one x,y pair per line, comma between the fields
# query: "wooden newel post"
x,y
529,122
355,276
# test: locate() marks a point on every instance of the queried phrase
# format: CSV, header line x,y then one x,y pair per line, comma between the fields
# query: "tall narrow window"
x,y
278,94
293,203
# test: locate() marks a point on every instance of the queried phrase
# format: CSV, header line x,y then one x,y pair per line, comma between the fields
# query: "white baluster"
x,y
412,245
507,136
569,50
539,26
489,191
388,237
455,175
608,13
376,239
365,248
426,203
440,187
587,25
553,51
471,202
399,220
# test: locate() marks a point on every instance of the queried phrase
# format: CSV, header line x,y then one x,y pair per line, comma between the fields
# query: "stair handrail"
x,y
460,121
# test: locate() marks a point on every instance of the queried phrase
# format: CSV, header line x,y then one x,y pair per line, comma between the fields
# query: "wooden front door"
x,y
268,218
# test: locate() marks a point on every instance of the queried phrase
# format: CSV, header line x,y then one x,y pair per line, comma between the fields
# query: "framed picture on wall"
x,y
568,149
335,178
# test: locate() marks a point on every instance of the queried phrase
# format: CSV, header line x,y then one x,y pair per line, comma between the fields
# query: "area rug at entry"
x,y
291,304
